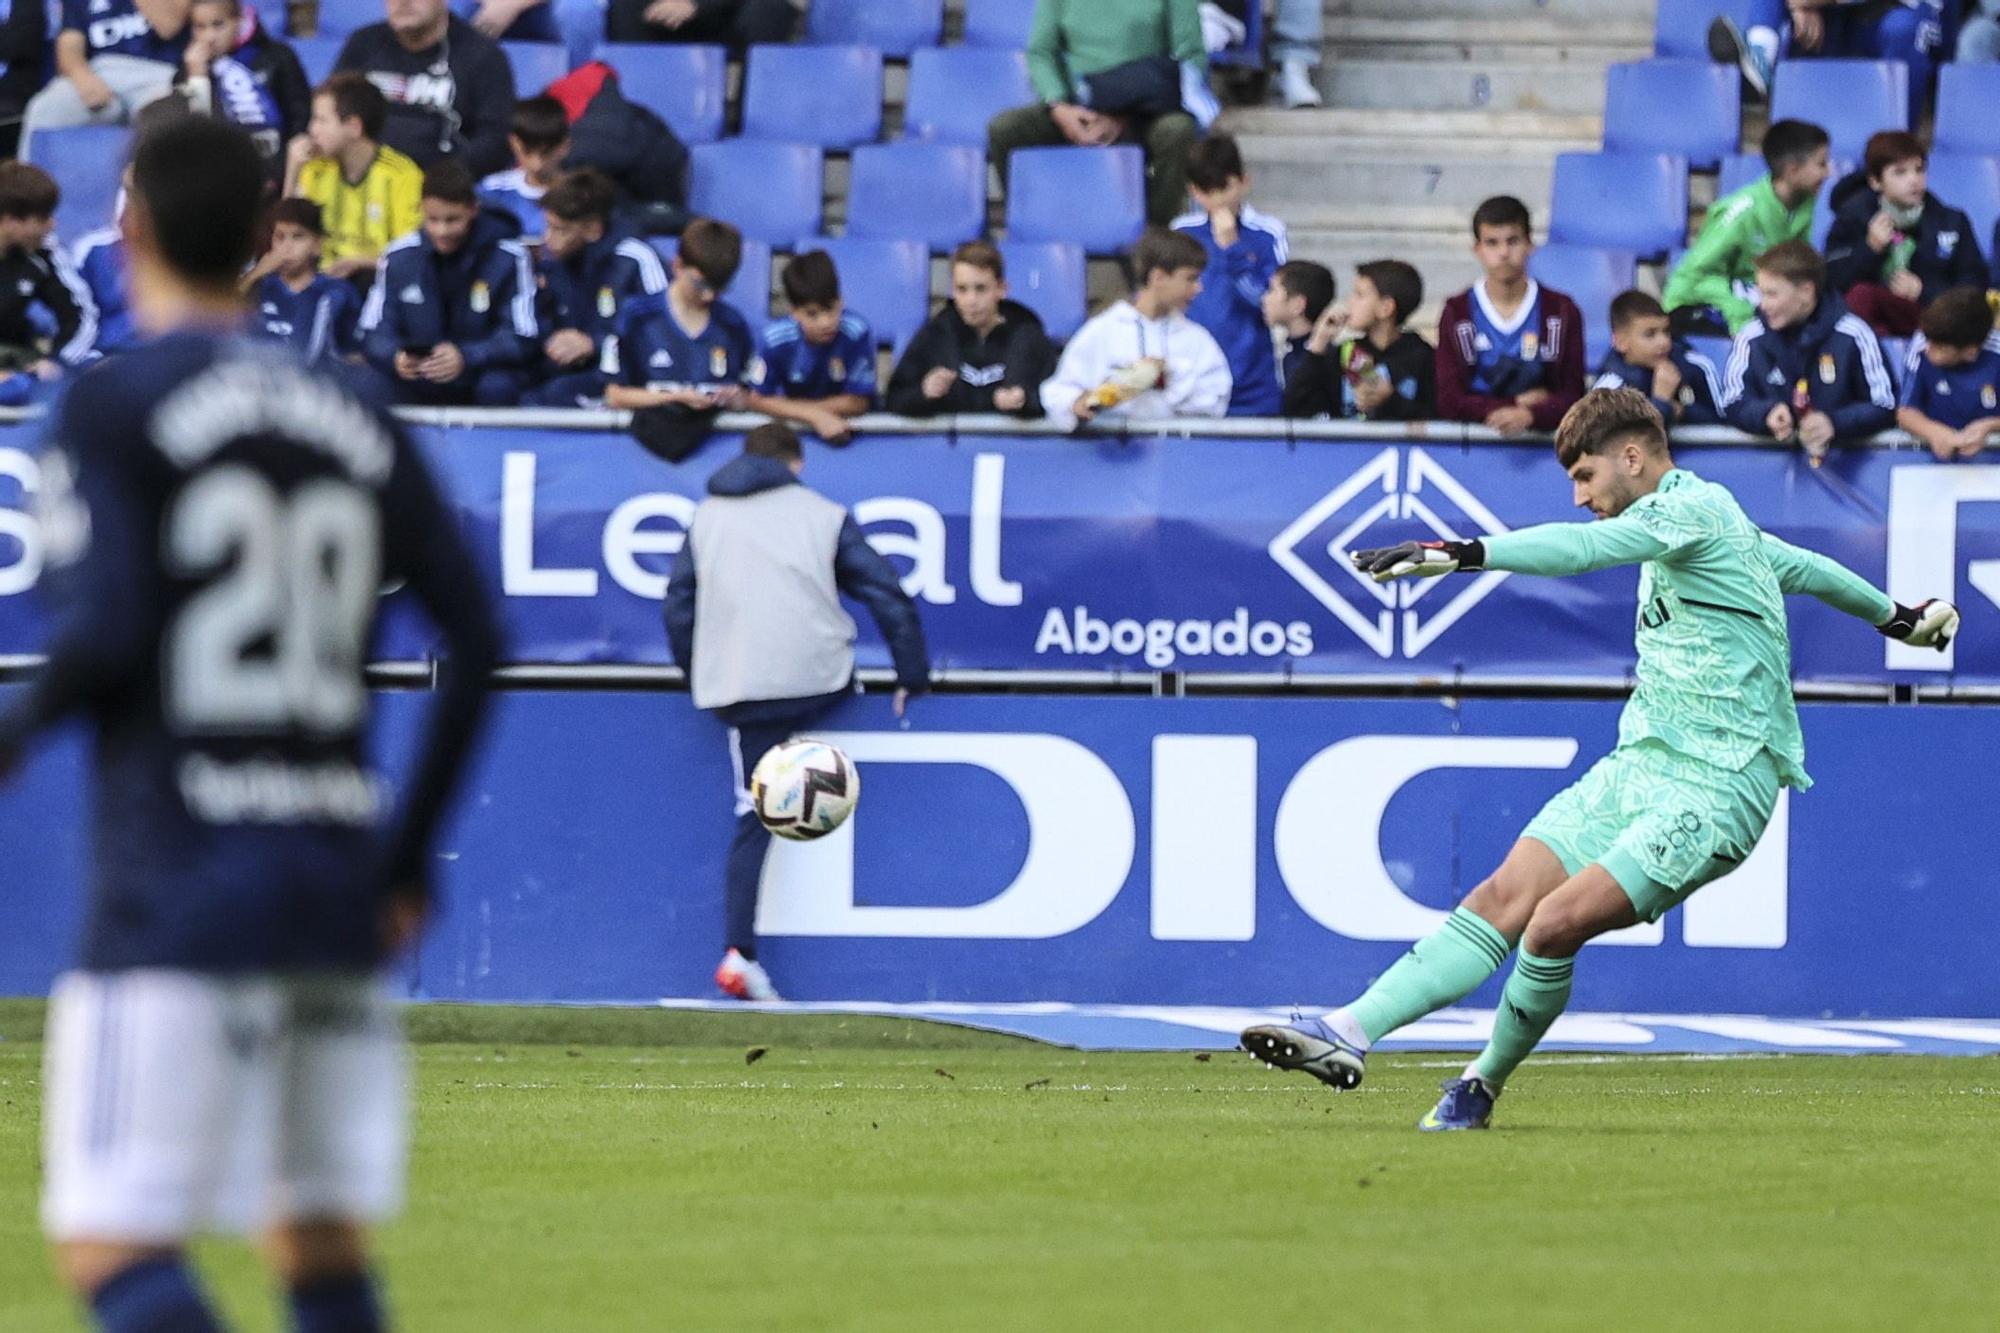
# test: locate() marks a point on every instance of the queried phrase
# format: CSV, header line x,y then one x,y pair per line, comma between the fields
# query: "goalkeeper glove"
x,y
1931,624
1419,559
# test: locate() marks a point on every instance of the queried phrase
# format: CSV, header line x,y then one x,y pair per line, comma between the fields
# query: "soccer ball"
x,y
804,789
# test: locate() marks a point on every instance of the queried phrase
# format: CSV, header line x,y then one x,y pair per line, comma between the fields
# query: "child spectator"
x,y
588,271
1362,362
981,353
295,302
1144,359
692,349
234,70
1510,352
1296,300
112,57
1244,248
1646,356
1807,368
539,137
368,193
101,264
1951,390
1712,289
451,317
1895,247
35,274
817,365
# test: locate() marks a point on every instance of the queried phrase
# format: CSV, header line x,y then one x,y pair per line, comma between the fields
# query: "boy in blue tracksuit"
x,y
451,318
816,367
101,262
295,302
1245,248
1806,369
1951,387
588,271
1645,355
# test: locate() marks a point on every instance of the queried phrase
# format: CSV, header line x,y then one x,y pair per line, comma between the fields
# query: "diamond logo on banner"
x,y
1383,503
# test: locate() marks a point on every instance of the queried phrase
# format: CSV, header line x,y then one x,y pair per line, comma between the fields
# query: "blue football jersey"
x,y
116,27
317,323
511,192
788,366
1507,354
101,263
1956,397
650,350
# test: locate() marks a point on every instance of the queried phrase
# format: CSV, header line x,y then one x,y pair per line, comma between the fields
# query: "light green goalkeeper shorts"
x,y
1663,824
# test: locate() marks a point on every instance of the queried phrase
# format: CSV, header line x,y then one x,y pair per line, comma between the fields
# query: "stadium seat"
x,y
338,18
750,292
933,193
87,162
536,65
1850,99
1690,107
1591,277
1738,170
1972,183
825,95
684,85
771,191
893,27
1966,97
1680,27
1620,201
888,282
1048,278
316,55
999,23
955,91
1095,197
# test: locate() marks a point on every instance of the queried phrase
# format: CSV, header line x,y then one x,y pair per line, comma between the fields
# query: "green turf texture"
x,y
629,1170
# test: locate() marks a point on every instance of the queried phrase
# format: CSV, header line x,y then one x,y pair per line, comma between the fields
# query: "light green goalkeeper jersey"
x,y
1715,658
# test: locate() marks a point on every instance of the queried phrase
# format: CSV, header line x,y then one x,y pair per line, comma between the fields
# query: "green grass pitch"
x,y
611,1170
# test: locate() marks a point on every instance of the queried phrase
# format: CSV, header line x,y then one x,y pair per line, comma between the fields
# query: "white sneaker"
x,y
1295,85
744,980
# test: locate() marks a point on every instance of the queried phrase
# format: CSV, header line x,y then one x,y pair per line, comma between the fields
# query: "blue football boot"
x,y
1310,1046
1467,1104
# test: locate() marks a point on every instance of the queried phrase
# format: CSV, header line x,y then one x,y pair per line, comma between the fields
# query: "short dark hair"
x,y
1314,282
234,6
773,439
1959,318
1794,261
199,184
713,249
1214,161
26,191
1605,418
1398,281
811,279
449,182
1791,141
300,213
982,254
1502,210
354,98
1161,249
1635,304
1888,147
581,195
540,123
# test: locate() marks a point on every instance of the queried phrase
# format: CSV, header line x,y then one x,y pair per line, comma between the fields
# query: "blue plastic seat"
x,y
955,91
684,85
893,27
1970,182
749,292
1095,197
1690,107
999,23
1591,277
1048,278
1849,99
316,56
1966,99
1620,201
886,282
338,18
770,191
88,162
825,95
536,65
1680,27
933,193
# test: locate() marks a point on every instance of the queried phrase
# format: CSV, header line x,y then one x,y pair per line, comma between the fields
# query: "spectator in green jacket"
x,y
1075,39
1713,289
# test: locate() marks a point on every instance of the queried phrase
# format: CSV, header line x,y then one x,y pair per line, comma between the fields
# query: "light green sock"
x,y
1443,968
1535,994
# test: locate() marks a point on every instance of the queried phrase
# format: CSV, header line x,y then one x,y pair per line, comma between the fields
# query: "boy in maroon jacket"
x,y
1510,351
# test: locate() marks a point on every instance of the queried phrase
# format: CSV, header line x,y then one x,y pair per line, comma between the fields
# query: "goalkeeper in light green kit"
x,y
1710,734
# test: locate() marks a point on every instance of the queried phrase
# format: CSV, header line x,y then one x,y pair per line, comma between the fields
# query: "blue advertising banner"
x,y
1199,555
1136,851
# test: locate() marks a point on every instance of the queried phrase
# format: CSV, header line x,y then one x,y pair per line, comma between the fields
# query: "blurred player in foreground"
x,y
1710,735
217,520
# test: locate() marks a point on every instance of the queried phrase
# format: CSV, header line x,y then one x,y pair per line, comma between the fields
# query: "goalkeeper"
x,y
1709,736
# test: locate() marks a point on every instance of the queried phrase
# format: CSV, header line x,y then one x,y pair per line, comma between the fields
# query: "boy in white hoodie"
x,y
1144,359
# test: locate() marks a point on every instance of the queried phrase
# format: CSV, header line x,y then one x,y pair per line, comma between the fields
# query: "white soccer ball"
x,y
804,789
